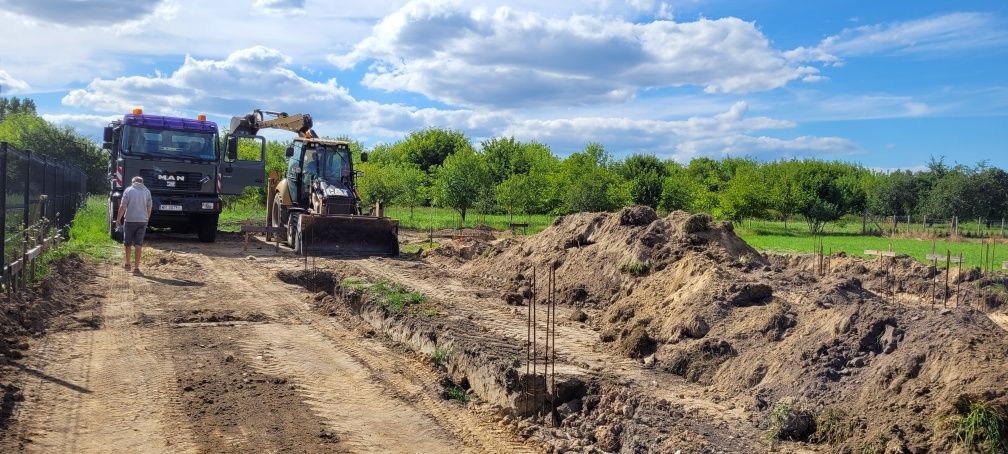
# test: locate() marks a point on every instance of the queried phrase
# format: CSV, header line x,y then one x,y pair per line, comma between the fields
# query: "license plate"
x,y
207,205
171,207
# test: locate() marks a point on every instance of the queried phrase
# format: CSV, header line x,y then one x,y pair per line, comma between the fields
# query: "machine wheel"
x,y
279,213
292,229
116,236
207,228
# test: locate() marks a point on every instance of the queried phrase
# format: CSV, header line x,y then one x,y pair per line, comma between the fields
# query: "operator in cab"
x,y
135,208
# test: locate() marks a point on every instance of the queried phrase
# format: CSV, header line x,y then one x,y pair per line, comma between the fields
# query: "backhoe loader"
x,y
316,203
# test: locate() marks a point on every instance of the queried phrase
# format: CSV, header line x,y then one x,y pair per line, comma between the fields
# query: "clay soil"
x,y
672,335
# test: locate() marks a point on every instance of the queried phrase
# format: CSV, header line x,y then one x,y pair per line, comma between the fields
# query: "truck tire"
x,y
207,228
116,236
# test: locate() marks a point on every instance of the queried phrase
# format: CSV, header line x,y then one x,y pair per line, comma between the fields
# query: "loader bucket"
x,y
347,236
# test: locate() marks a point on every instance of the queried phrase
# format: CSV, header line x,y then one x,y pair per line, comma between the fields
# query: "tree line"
x,y
504,175
21,127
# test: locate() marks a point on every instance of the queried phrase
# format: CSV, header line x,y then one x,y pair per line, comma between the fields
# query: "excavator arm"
x,y
249,125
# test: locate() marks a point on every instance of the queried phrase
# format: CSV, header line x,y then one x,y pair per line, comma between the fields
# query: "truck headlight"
x,y
331,191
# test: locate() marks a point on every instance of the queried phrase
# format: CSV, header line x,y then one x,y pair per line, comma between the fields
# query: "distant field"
x,y
441,218
773,237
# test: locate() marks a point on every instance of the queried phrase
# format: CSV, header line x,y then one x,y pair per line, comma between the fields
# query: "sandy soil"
x,y
208,352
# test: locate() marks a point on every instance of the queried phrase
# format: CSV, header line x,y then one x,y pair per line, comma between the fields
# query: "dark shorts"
x,y
133,233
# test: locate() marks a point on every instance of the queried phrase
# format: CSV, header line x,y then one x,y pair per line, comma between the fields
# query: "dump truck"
x,y
315,204
182,166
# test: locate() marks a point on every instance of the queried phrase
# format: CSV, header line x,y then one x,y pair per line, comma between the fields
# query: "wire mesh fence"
x,y
41,197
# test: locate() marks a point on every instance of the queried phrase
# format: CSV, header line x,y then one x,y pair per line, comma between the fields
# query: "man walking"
x,y
136,209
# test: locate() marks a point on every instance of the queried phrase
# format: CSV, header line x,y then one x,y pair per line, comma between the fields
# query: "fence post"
x,y
26,210
3,211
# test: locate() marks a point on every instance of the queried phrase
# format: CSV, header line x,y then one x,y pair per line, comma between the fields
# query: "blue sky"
x,y
887,84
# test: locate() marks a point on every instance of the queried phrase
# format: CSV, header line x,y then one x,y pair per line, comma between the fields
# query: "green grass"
x,y
457,394
773,237
89,237
984,427
781,411
443,218
440,356
238,210
636,268
390,295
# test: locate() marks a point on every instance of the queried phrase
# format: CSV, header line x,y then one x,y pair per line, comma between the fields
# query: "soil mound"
x,y
597,255
687,295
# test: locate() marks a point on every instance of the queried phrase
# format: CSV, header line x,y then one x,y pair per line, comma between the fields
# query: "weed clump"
x,y
832,426
440,356
636,268
786,421
980,425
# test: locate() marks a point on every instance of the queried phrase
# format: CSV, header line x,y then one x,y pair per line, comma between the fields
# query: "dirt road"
x,y
209,352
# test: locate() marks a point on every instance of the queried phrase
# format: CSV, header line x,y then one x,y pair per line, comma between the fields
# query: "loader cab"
x,y
320,167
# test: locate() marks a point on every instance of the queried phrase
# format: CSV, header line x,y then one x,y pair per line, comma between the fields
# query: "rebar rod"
x,y
534,328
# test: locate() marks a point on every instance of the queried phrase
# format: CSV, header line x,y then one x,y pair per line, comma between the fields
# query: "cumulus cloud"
x,y
259,77
246,79
9,84
509,58
81,13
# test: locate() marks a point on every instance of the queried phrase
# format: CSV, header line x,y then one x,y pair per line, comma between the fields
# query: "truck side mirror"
x,y
363,156
289,152
231,149
107,138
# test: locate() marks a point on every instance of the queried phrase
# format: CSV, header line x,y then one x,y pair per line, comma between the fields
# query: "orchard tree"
x,y
645,174
460,181
430,147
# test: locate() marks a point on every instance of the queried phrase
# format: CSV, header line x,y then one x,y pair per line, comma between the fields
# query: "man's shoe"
x,y
136,272
126,266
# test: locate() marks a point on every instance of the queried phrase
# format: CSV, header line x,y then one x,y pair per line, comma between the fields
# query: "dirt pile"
x,y
37,309
690,298
598,255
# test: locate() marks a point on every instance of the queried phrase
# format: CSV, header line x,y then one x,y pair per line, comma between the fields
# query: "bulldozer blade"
x,y
348,236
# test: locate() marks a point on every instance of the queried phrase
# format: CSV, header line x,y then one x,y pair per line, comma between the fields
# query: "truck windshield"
x,y
170,144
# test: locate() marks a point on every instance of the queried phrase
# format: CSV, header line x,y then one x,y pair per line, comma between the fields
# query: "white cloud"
x,y
281,6
10,85
87,124
259,77
81,13
508,58
945,33
246,79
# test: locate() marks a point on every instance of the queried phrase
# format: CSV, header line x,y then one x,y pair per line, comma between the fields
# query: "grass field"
x,y
89,236
773,237
442,218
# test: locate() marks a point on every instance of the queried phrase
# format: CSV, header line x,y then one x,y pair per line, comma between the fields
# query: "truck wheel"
x,y
116,236
207,228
